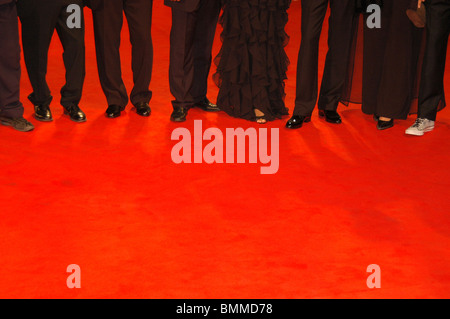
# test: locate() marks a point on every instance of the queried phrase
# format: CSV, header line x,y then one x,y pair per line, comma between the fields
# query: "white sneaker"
x,y
420,127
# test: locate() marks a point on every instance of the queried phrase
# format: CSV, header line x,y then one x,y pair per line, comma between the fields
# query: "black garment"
x,y
431,95
40,18
184,5
2,2
391,57
252,64
191,41
108,22
10,105
361,5
341,22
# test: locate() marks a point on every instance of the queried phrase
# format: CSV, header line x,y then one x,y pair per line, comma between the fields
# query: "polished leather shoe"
x,y
384,125
179,114
114,111
297,121
143,109
75,113
207,106
330,116
43,113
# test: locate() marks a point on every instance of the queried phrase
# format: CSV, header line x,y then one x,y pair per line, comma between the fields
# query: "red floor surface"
x,y
105,195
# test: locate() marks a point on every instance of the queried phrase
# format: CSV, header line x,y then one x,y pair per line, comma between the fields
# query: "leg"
x,y
181,68
108,21
139,16
432,80
339,42
37,31
313,14
72,41
10,105
205,32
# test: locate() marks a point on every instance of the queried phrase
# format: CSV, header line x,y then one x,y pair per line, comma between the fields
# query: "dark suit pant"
x,y
10,105
38,26
432,80
191,41
108,22
339,41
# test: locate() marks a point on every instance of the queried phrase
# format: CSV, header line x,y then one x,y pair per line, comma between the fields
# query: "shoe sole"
x,y
143,115
178,121
82,121
206,109
209,110
385,128
41,119
323,117
73,120
419,133
116,116
112,117
307,120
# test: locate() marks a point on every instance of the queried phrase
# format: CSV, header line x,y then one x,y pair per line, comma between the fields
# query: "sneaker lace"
x,y
419,122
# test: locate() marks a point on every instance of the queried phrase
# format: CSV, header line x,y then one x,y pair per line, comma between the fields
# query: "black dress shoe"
x,y
43,113
143,109
179,114
376,118
114,111
297,121
384,125
330,116
75,113
207,106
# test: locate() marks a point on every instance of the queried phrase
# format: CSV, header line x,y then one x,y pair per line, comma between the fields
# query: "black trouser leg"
x,y
339,42
108,22
432,80
181,68
139,17
38,26
313,14
339,45
10,105
205,32
73,44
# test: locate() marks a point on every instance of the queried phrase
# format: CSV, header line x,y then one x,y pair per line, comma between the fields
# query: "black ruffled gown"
x,y
252,64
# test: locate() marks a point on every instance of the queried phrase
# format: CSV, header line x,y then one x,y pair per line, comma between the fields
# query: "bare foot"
x,y
260,117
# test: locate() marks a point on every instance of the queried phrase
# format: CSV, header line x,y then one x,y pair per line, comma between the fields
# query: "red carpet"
x,y
105,195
